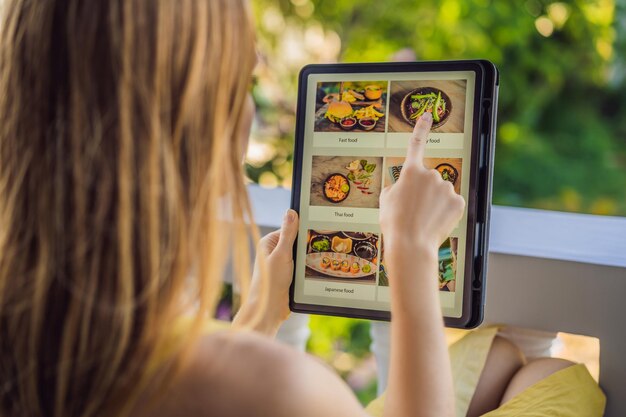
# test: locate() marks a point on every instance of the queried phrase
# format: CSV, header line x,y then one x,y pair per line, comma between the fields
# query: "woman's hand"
x,y
276,249
417,214
421,209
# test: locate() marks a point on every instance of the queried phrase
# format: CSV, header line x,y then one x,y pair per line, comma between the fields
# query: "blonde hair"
x,y
119,126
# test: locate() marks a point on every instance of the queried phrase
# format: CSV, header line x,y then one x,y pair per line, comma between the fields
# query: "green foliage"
x,y
367,394
332,334
344,344
561,135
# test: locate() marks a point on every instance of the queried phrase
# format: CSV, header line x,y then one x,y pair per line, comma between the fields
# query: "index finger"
x,y
417,143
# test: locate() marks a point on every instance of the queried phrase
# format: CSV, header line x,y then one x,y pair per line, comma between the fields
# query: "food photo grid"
x,y
446,266
357,106
448,168
346,181
356,181
342,256
445,99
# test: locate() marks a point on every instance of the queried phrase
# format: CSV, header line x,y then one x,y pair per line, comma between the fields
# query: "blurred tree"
x,y
561,134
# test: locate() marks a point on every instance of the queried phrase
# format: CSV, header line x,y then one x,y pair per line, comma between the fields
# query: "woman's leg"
x,y
503,362
532,373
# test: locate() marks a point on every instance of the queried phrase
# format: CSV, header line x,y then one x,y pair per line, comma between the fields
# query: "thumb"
x,y
417,143
288,232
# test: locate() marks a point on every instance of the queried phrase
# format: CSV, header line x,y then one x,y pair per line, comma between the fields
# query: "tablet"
x,y
353,125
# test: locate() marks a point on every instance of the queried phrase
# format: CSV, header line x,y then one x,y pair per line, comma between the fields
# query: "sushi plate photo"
x,y
340,265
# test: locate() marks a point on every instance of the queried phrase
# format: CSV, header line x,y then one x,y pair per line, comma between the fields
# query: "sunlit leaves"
x,y
561,95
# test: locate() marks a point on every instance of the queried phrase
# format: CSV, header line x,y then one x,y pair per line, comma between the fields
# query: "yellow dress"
x,y
570,392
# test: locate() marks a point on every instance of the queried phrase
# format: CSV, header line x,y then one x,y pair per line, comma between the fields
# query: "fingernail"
x,y
427,116
290,216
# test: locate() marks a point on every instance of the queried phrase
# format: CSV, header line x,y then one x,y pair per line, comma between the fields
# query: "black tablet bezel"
x,y
481,172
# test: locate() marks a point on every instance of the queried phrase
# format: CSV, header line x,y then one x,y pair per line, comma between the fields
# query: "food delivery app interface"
x,y
357,128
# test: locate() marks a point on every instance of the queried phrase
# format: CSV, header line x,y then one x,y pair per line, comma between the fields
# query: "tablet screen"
x,y
356,131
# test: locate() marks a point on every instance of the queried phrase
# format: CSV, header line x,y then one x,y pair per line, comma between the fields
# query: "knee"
x,y
532,373
507,353
502,363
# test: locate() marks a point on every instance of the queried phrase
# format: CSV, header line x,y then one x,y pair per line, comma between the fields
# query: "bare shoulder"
x,y
243,374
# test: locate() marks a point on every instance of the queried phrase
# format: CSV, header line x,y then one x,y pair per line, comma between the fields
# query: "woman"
x,y
122,128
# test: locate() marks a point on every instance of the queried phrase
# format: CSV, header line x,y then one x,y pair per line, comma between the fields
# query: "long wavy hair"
x,y
121,190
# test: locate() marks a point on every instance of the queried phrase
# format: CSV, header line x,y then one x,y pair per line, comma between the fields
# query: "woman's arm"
x,y
420,379
417,214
